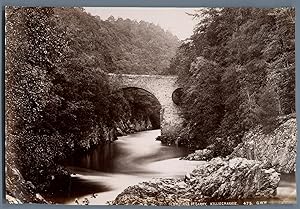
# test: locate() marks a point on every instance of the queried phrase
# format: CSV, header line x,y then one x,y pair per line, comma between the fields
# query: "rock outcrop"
x,y
103,134
127,127
277,149
215,180
205,154
18,190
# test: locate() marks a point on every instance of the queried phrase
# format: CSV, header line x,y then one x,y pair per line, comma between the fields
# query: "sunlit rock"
x,y
12,200
217,179
204,154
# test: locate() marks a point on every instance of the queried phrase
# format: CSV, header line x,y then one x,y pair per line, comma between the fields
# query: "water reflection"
x,y
129,154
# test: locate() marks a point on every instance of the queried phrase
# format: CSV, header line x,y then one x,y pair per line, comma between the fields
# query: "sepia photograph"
x,y
150,106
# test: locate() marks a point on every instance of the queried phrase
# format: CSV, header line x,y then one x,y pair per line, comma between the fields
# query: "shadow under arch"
x,y
143,100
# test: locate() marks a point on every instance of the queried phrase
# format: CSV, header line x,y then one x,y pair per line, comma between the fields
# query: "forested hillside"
x,y
237,71
58,99
127,46
146,48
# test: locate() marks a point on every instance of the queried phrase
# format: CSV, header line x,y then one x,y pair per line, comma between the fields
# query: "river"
x,y
105,172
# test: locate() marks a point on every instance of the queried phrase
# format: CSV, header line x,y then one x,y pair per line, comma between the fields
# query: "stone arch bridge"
x,y
162,87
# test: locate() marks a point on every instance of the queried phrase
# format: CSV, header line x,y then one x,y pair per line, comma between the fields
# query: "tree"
x,y
255,50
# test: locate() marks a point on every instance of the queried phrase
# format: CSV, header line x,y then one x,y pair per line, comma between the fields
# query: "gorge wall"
x,y
277,149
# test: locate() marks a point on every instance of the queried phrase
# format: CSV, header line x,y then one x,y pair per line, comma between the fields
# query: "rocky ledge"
x,y
215,180
205,154
18,190
277,149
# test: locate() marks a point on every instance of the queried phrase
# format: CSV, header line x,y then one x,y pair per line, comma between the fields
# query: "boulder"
x,y
236,178
204,154
215,180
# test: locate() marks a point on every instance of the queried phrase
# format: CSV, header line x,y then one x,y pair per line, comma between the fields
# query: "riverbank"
x,y
103,174
277,149
274,152
108,170
218,180
57,179
29,194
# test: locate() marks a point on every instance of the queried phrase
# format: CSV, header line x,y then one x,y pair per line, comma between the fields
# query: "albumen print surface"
x,y
150,106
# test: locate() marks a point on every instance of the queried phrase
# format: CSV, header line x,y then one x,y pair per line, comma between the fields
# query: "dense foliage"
x,y
33,55
237,71
58,98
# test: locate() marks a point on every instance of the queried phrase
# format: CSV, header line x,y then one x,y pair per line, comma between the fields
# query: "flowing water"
x,y
105,172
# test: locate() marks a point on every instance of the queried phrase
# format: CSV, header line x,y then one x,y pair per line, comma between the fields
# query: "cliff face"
x,y
277,149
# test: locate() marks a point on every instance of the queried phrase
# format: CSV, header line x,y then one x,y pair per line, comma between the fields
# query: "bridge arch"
x,y
136,92
162,87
